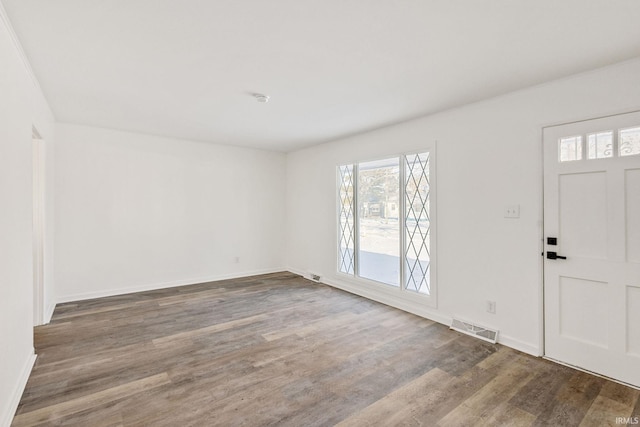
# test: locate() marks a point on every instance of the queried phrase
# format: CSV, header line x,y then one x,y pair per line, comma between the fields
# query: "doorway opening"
x,y
38,156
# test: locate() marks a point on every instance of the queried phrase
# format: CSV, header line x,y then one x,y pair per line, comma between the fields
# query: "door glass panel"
x,y
570,148
378,215
629,141
600,145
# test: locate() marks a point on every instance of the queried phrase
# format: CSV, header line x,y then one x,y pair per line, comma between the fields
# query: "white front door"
x,y
592,209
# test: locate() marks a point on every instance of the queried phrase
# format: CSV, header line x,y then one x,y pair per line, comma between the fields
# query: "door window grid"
x,y
570,148
600,145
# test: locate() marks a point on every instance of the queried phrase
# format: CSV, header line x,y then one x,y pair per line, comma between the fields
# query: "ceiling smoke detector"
x,y
260,97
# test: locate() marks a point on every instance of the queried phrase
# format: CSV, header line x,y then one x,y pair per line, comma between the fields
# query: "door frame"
x,y
39,231
542,310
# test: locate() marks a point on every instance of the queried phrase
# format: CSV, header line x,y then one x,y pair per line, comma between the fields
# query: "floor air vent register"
x,y
474,330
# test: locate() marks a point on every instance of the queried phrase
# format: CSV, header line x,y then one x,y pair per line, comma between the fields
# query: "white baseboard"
x,y
418,310
162,285
298,272
519,345
49,313
10,410
399,303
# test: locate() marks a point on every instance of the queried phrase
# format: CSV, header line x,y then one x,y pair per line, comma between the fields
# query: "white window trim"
x,y
384,292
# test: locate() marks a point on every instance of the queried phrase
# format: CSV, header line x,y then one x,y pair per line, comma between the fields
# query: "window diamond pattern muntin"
x,y
346,256
417,224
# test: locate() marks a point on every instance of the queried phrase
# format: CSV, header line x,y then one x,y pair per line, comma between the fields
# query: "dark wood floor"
x,y
280,350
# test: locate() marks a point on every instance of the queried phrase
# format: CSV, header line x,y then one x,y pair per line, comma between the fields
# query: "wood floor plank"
x,y
169,339
281,350
395,407
481,407
604,412
310,327
620,393
506,414
573,400
538,395
51,413
636,410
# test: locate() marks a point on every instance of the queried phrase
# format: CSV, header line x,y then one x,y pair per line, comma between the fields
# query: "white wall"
x,y
22,106
139,212
489,156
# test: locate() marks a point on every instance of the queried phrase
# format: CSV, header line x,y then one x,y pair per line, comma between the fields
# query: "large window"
x,y
385,223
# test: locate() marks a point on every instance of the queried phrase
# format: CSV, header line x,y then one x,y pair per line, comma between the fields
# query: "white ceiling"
x,y
333,68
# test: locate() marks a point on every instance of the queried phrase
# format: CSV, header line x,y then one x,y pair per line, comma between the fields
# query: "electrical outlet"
x,y
512,211
491,307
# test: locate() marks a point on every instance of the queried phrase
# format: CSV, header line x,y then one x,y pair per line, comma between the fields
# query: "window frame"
x,y
389,290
